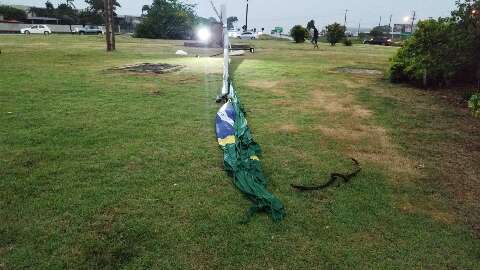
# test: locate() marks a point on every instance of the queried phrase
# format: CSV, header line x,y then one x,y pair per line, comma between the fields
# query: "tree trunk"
x,y
109,31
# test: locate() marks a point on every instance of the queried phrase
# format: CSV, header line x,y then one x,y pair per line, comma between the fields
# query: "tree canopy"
x,y
170,19
380,31
98,6
335,33
442,51
231,21
299,33
11,13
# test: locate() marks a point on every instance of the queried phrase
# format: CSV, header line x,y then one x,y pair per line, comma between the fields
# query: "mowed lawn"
x,y
101,169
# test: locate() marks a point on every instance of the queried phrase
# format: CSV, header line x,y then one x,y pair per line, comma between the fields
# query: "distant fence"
x,y
15,27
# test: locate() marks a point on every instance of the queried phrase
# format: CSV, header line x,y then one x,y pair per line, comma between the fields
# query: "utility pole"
x,y
226,49
109,31
380,22
358,32
390,25
246,18
413,19
345,23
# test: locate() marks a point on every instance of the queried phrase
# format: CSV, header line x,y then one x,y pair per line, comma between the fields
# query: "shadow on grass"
x,y
234,64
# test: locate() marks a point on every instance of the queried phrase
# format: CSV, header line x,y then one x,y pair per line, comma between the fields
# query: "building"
x,y
127,23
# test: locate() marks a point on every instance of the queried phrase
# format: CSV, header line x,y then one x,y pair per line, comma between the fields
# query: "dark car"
x,y
385,41
88,30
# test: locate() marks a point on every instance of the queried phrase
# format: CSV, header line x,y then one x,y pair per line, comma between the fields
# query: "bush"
x,y
299,33
380,31
335,33
169,19
441,51
474,105
432,56
347,42
11,13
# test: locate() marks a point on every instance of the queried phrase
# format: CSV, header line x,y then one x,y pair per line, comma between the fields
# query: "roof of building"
x,y
44,18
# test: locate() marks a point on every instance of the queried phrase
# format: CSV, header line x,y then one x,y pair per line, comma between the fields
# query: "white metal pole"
x,y
226,49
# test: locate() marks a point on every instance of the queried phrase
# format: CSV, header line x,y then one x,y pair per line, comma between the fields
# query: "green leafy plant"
x,y
347,42
299,33
441,51
169,19
11,13
380,31
335,33
474,105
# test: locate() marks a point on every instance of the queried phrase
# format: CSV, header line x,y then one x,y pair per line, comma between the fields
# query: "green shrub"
x,y
474,105
347,42
169,19
427,57
11,13
299,33
335,33
442,51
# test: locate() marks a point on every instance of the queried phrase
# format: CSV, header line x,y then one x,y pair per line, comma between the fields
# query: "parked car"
x,y
88,30
379,41
36,29
247,35
232,33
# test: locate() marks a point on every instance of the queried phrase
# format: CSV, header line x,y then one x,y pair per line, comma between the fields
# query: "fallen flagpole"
x,y
226,54
241,152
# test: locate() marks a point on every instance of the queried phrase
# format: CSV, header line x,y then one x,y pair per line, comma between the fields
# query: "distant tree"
x,y
90,17
39,12
335,33
299,33
11,13
170,19
98,6
70,3
310,25
363,35
380,31
67,14
95,14
145,8
49,5
231,21
49,9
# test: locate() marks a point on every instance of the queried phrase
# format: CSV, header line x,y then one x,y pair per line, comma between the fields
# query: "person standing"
x,y
315,38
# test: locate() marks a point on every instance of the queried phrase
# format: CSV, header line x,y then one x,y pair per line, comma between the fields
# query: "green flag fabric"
x,y
241,158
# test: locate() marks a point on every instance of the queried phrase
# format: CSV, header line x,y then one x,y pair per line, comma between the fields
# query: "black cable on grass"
x,y
333,178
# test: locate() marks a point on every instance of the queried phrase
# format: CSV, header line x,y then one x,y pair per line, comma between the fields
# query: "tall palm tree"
x,y
70,3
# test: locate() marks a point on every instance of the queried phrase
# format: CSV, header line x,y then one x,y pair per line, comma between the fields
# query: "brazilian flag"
x,y
241,158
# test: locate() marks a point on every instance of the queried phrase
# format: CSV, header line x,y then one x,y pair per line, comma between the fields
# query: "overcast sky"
x,y
271,13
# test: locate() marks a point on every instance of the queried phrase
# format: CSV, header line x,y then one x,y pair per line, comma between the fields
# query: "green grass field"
x,y
112,170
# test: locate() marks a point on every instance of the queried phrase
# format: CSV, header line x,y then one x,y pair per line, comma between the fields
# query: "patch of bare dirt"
x,y
150,68
333,103
355,82
271,86
288,128
429,210
370,143
359,71
450,152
